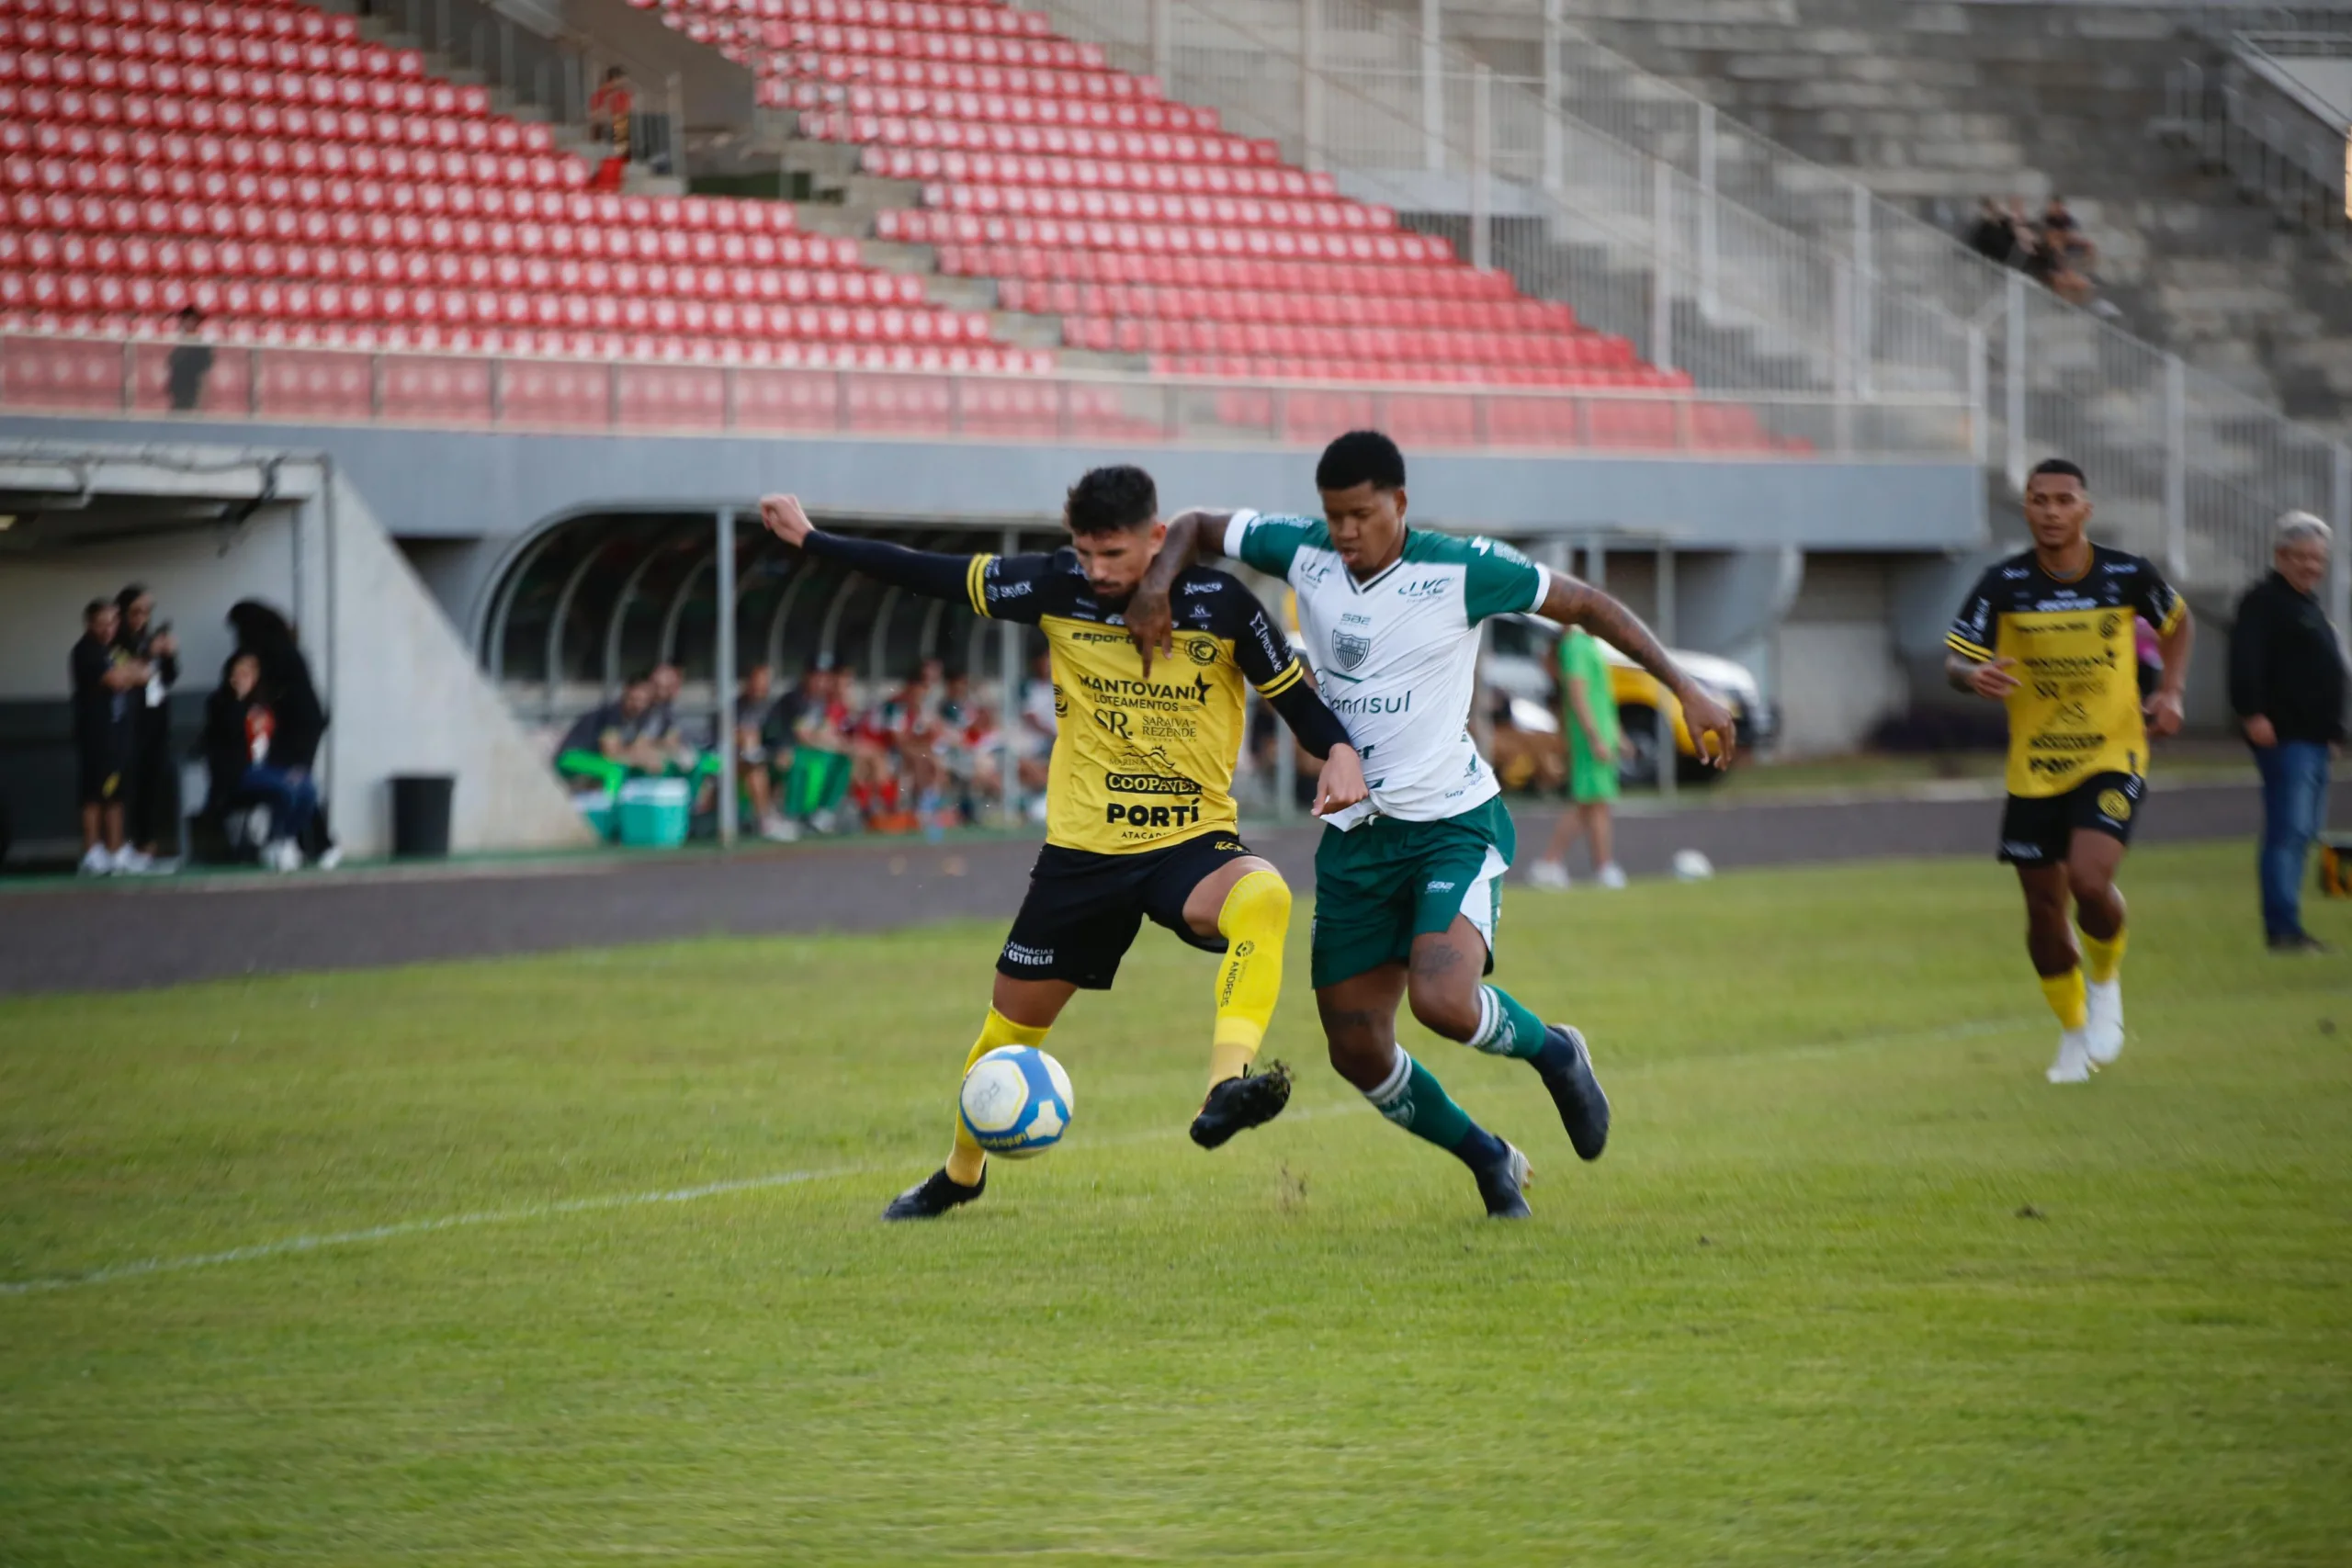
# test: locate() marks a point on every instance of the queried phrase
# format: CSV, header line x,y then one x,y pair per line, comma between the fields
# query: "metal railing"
x,y
1721,253
2252,120
286,385
544,66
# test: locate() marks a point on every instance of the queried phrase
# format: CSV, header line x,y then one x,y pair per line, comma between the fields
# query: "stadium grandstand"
x,y
364,309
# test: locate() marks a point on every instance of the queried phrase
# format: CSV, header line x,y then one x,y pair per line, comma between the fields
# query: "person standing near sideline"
x,y
1588,719
154,776
105,679
2286,689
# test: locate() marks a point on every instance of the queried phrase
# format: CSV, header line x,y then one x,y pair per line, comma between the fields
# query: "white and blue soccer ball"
x,y
1016,1101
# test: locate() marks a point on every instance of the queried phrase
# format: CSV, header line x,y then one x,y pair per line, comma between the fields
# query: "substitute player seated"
x,y
2048,632
1140,816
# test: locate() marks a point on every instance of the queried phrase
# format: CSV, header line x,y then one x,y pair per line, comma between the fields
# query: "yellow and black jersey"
x,y
2076,712
1139,761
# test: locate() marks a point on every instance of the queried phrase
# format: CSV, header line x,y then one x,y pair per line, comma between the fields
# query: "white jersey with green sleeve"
x,y
1397,657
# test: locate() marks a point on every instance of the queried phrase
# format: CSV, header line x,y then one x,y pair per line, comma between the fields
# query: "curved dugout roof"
x,y
591,599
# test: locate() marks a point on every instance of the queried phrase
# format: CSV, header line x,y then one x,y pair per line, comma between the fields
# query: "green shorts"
x,y
1590,779
592,765
1380,886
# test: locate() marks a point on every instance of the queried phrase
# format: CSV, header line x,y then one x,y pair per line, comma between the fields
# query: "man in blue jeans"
x,y
2286,688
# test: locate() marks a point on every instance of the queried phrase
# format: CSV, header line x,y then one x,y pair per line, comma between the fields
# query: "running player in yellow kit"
x,y
2048,632
1141,821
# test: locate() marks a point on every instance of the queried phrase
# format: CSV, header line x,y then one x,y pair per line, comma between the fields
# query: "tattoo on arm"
x,y
1574,602
1956,674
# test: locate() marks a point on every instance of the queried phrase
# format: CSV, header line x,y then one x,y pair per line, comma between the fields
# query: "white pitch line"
x,y
419,1227
497,1217
798,1177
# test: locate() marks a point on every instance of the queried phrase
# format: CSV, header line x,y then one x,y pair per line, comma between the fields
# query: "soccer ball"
x,y
1016,1101
1690,865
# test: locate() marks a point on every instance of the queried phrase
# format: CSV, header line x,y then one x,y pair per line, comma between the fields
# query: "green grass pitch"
x,y
1852,1284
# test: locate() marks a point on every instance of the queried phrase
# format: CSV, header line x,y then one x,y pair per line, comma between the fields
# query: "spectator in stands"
x,y
1992,236
2064,237
155,780
240,748
105,679
607,745
300,718
821,764
764,749
189,363
609,111
2025,237
2286,686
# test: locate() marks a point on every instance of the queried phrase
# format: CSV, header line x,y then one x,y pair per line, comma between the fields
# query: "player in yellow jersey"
x,y
1140,814
2048,632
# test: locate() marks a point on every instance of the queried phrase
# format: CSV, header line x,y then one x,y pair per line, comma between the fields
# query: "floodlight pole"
x,y
723,672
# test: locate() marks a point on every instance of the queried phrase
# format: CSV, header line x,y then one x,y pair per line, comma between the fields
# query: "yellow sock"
x,y
1254,920
967,1161
2104,959
2066,998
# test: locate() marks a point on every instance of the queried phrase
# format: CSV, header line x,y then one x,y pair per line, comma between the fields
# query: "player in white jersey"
x,y
1409,883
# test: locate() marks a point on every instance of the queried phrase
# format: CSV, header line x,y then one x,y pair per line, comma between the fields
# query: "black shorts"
x,y
102,768
1083,910
2038,830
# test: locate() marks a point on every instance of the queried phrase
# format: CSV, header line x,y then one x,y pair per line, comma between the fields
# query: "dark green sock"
x,y
1415,1100
1505,1027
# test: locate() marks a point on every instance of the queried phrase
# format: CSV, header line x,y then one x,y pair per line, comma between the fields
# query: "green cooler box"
x,y
653,812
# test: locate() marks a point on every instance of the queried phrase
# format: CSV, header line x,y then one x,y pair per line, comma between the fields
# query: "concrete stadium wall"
x,y
411,699
404,689
501,487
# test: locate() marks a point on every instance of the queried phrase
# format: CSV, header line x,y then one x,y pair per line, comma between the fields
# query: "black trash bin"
x,y
421,815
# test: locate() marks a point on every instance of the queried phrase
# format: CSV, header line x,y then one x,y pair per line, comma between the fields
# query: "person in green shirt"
x,y
1588,719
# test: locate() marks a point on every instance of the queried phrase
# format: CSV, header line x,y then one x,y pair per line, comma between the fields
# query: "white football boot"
x,y
1548,874
2104,1027
2074,1063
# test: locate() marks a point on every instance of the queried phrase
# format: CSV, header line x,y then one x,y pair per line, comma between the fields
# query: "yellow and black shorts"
x,y
1083,910
2039,829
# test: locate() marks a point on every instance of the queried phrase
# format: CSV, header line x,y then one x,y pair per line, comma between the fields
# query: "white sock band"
x,y
1492,1022
1394,1084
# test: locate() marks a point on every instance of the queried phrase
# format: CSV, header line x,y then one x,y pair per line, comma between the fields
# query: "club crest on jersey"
x,y
1348,649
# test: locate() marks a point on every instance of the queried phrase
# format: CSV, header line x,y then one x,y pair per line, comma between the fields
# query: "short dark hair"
x,y
2059,465
639,678
94,608
1111,499
1360,456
